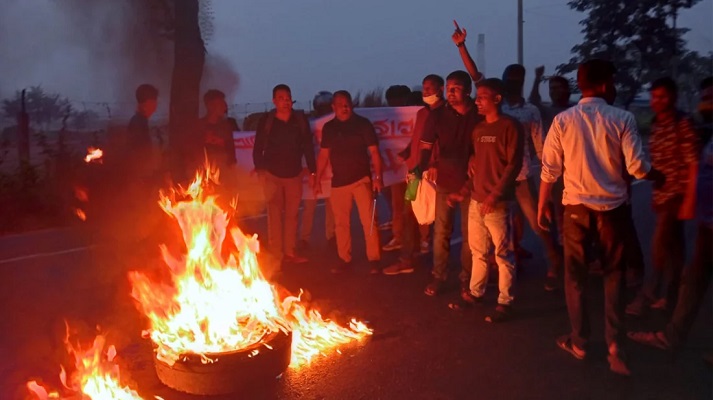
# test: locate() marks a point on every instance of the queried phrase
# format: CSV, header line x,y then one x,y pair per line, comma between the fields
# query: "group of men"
x,y
481,154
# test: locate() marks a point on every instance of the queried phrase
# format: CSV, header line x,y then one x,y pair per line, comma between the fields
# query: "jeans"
x,y
342,198
609,229
398,191
525,194
309,207
668,255
481,229
412,236
442,232
283,196
693,288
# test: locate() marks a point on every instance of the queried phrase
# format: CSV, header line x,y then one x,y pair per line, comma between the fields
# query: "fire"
x,y
212,305
94,155
96,377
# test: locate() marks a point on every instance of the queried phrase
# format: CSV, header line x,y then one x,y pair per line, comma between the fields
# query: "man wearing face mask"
x,y
449,128
433,97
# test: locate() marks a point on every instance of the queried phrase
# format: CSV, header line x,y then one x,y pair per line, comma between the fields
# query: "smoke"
x,y
219,74
87,50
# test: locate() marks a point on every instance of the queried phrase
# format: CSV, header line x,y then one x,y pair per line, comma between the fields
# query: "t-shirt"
x,y
673,146
531,120
412,153
451,132
217,140
280,150
138,135
498,150
348,143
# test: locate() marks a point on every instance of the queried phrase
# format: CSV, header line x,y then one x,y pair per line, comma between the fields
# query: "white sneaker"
x,y
394,244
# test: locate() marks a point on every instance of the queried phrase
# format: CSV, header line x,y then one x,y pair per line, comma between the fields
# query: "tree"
x,y
42,107
635,35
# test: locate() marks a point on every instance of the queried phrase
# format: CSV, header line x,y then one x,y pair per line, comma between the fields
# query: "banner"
x,y
393,125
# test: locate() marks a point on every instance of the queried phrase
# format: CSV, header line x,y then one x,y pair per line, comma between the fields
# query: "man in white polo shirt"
x,y
593,145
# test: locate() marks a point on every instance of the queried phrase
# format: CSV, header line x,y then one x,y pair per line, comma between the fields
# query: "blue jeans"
x,y
442,233
481,229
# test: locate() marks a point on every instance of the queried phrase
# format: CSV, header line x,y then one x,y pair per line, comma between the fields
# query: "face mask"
x,y
431,100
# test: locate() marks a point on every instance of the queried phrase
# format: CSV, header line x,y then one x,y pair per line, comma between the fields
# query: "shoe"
x,y
394,244
465,302
651,339
551,284
294,259
522,253
565,343
398,268
434,288
617,364
375,267
342,267
425,248
660,304
636,308
503,312
386,226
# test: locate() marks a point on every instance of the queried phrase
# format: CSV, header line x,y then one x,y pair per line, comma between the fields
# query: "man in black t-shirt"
x,y
449,128
348,141
282,139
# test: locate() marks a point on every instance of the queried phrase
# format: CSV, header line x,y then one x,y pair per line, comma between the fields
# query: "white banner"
x,y
393,125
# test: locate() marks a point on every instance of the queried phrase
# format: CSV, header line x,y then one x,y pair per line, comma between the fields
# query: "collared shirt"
x,y
673,146
531,120
594,143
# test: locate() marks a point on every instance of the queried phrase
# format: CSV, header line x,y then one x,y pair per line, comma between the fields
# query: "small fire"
x,y
96,377
80,214
94,155
213,305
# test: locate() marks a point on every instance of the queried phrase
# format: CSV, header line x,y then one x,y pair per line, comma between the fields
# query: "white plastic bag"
x,y
424,207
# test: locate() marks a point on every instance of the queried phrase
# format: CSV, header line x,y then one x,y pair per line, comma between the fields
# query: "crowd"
x,y
482,154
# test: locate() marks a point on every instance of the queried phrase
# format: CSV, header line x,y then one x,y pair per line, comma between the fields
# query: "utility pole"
x,y
520,23
480,53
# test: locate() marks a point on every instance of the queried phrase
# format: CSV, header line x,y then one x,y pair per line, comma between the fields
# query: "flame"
x,y
96,377
94,155
80,214
213,305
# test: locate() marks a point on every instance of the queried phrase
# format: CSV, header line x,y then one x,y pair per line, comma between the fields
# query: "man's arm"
x,y
378,180
535,92
259,145
307,143
459,40
537,132
322,163
552,166
690,151
635,159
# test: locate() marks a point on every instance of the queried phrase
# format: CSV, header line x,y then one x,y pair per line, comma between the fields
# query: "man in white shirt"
x,y
593,145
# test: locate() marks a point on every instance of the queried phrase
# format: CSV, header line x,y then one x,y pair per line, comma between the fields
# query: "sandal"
x,y
565,343
434,288
502,313
652,339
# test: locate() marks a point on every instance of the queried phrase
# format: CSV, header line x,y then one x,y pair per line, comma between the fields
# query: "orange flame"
x,y
80,214
94,155
213,305
96,377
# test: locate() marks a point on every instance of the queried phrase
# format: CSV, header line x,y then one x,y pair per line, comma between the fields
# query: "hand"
x,y
658,178
544,217
459,35
471,167
317,187
377,185
453,199
539,72
432,174
487,207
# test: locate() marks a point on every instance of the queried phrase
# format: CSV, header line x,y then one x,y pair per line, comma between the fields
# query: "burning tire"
x,y
229,372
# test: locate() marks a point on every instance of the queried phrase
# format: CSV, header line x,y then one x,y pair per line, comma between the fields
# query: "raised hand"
x,y
458,35
539,72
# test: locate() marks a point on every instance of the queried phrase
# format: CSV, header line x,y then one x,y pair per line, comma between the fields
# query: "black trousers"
x,y
609,229
696,280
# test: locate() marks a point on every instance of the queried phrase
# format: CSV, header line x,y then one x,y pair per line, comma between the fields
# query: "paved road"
x,y
420,350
